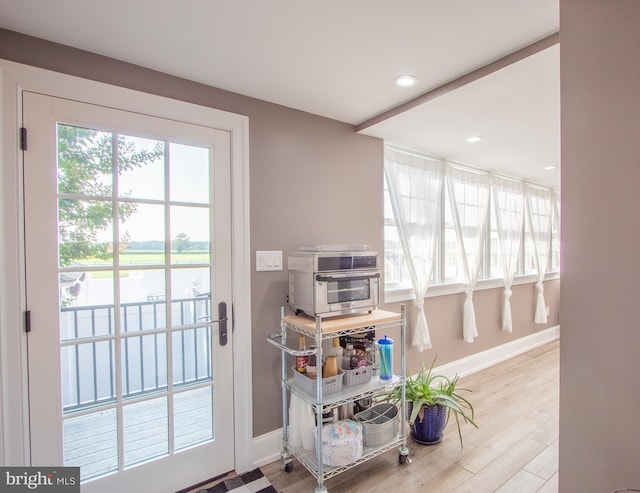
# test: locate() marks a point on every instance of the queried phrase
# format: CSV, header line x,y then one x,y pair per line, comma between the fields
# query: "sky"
x,y
189,183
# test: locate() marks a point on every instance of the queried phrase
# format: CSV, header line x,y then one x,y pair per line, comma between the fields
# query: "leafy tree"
x,y
181,242
86,160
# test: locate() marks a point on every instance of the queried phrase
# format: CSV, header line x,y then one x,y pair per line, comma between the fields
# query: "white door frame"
x,y
15,78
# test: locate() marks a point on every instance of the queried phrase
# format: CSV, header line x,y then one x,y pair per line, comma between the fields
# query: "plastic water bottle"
x,y
385,346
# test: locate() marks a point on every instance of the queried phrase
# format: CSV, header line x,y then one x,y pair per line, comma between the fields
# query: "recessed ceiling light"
x,y
405,80
550,167
474,138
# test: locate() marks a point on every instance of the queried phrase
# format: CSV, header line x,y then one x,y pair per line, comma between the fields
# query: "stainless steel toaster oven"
x,y
330,283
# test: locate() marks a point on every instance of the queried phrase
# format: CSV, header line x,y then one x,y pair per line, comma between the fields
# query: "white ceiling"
x,y
338,58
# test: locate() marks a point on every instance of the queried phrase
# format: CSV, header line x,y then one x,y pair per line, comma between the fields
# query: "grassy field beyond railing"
x,y
153,257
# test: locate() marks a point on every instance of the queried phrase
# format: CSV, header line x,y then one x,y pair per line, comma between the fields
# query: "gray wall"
x,y
600,351
312,180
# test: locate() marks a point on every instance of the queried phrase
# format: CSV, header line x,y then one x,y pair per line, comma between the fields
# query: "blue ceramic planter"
x,y
429,429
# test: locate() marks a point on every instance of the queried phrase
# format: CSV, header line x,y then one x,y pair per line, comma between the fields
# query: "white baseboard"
x,y
267,447
485,359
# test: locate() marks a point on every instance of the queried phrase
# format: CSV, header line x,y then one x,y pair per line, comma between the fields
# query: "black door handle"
x,y
222,321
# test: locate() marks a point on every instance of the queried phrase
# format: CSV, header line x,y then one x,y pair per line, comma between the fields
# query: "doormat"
x,y
249,482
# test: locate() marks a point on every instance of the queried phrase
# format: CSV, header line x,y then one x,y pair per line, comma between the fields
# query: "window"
x,y
448,265
528,264
493,259
396,275
451,260
554,263
469,200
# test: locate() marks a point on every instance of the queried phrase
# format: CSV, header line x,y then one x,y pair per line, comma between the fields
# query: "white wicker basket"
x,y
359,375
329,384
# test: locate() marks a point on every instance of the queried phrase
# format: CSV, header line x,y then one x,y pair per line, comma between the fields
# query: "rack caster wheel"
x,y
288,467
402,459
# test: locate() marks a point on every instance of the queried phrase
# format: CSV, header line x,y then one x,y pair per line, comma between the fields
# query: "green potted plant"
x,y
431,399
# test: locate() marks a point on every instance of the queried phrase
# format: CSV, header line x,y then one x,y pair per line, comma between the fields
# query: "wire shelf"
x,y
309,461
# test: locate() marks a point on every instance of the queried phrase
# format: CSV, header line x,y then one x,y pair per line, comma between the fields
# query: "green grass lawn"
x,y
153,257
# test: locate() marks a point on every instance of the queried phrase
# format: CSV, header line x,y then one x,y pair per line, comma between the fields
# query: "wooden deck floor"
x,y
515,448
90,441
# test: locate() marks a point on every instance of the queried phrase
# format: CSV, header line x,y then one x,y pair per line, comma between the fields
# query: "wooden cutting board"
x,y
334,324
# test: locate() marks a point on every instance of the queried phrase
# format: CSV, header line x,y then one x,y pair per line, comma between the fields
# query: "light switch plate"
x,y
267,260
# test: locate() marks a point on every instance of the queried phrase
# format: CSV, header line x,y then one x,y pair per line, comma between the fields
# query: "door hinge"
x,y
23,138
27,321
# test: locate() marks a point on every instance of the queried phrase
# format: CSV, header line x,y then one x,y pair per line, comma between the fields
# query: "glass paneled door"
x,y
128,254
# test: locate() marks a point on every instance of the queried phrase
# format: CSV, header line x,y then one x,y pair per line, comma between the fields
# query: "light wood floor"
x,y
515,448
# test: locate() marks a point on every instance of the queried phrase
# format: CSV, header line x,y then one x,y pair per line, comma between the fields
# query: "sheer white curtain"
x,y
508,198
555,233
540,214
469,196
415,188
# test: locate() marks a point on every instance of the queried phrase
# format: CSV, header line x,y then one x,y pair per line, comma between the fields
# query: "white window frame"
x,y
438,288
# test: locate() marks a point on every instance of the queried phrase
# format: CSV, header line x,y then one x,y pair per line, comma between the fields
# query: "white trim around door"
x,y
15,78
